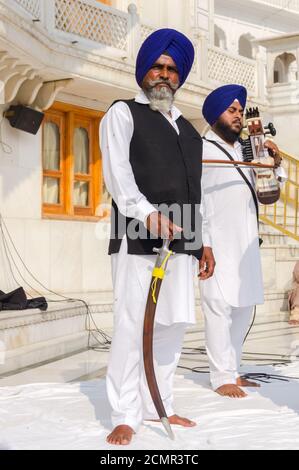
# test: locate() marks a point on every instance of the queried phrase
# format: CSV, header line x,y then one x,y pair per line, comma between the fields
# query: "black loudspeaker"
x,y
26,119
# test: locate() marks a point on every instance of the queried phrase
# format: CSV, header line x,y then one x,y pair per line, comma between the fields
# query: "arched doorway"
x,y
219,37
285,68
245,45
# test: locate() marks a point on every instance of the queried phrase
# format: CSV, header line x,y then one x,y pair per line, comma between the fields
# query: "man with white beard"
x,y
151,157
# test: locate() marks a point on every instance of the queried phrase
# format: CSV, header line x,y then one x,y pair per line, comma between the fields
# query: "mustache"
x,y
153,83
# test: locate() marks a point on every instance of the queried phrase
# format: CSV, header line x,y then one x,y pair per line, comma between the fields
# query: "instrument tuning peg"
x,y
271,129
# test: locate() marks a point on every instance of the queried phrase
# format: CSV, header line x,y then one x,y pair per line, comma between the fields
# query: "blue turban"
x,y
177,45
220,99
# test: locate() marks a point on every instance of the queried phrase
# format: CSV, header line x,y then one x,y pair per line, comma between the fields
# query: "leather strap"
x,y
244,178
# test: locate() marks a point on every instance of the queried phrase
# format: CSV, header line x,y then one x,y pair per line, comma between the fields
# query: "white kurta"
x,y
116,131
230,229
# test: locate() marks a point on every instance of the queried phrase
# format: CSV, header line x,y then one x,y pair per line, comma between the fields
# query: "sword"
x,y
163,255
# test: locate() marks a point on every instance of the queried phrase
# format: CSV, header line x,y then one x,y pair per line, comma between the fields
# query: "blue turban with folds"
x,y
220,99
176,44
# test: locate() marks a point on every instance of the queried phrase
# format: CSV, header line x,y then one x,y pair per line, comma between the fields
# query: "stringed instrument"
x,y
266,184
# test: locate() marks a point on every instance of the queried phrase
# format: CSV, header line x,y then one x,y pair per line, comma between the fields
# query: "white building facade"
x,y
71,59
80,55
267,30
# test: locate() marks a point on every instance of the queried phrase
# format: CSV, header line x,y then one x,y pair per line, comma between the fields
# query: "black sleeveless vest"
x,y
167,170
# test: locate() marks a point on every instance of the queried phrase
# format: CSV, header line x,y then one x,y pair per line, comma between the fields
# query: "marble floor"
x,y
270,341
63,404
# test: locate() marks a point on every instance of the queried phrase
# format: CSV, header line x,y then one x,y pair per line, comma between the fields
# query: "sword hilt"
x,y
163,252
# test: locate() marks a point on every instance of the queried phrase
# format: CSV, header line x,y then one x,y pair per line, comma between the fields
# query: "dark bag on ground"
x,y
17,300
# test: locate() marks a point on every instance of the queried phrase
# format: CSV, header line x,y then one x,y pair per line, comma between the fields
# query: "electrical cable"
x,y
105,339
275,359
251,325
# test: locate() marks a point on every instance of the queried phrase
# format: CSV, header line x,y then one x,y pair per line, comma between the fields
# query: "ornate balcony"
x,y
291,5
96,46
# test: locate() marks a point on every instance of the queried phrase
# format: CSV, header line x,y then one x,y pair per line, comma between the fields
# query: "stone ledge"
x,y
16,318
31,355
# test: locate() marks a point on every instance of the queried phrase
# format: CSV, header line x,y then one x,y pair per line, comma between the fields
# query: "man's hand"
x,y
159,225
273,152
206,264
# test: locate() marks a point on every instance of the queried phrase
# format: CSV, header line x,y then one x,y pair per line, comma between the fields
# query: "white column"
x,y
297,60
48,14
211,21
233,38
134,36
204,18
260,74
202,63
270,68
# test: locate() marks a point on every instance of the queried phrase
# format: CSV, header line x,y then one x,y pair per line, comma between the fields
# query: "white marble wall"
x,y
278,264
162,14
20,176
286,124
234,28
66,256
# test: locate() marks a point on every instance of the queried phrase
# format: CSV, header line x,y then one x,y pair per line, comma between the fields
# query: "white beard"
x,y
160,100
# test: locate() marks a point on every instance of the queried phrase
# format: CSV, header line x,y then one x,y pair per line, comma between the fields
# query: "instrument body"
x,y
254,151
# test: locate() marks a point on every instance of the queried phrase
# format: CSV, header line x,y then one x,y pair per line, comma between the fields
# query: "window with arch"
x,y
219,37
72,178
245,46
285,68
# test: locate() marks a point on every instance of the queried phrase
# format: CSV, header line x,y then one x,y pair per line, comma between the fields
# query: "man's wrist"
x,y
146,220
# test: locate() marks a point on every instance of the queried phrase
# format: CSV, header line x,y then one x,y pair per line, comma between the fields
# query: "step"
x,y
31,336
277,239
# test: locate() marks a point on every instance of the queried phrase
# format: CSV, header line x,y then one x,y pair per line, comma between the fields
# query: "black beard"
x,y
225,132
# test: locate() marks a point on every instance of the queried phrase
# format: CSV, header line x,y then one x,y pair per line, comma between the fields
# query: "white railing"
x,y
94,25
93,22
33,7
292,5
226,68
145,31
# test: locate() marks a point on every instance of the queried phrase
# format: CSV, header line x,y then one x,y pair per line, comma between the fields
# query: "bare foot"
x,y
175,419
294,322
185,422
231,390
246,383
121,435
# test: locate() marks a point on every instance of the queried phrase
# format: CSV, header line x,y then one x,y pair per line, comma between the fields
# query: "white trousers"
x,y
225,330
127,388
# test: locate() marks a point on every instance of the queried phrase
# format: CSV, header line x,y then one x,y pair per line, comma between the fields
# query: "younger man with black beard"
x,y
232,232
